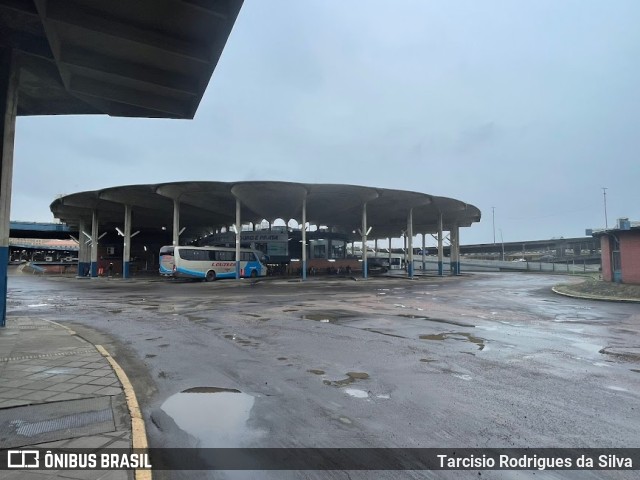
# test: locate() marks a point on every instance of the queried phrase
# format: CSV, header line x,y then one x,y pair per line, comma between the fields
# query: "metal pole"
x,y
410,242
440,247
176,222
364,241
94,243
424,253
126,251
238,235
493,216
502,241
389,253
82,248
604,194
304,238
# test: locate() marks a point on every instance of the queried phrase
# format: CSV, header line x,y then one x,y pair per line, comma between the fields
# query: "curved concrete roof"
x,y
208,205
133,58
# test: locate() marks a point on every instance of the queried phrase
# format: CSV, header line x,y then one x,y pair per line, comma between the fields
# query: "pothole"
x,y
216,417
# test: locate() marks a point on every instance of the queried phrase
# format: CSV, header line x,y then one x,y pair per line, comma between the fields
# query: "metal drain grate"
x,y
49,422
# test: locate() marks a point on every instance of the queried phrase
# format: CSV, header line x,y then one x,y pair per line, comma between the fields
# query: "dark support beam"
x,y
21,6
71,13
26,42
207,6
129,96
9,79
85,59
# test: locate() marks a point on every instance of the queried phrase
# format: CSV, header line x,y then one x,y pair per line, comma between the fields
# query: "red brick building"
x,y
620,252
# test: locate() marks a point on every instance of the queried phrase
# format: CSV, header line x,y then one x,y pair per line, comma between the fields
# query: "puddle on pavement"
x,y
356,393
437,320
150,355
319,317
241,341
427,360
635,370
617,389
290,310
211,390
252,315
456,336
351,377
316,372
282,358
217,417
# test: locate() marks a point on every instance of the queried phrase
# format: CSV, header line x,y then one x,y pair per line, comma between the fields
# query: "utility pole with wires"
x,y
604,195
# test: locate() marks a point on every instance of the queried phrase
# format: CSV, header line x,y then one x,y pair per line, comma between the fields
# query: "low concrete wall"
x,y
431,265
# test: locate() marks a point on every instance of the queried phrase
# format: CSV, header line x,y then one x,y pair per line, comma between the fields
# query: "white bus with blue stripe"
x,y
210,263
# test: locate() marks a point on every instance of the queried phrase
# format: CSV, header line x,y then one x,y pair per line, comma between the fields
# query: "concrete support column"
x,y
94,244
455,252
176,222
440,247
238,237
84,258
364,241
410,242
9,78
404,249
304,238
126,251
375,247
424,252
389,253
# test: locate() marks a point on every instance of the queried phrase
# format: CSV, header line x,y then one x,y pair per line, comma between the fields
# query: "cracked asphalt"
x,y
484,360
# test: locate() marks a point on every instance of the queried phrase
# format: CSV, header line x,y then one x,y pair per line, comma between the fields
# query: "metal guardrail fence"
x,y
431,265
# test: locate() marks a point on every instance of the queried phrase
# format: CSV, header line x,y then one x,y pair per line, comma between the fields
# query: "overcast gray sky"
x,y
530,106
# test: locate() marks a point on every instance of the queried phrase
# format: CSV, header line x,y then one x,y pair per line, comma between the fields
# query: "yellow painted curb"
x,y
138,432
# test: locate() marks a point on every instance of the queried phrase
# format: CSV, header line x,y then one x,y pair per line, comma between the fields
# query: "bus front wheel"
x,y
211,276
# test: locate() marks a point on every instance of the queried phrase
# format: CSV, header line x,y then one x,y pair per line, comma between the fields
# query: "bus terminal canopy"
x,y
204,206
131,58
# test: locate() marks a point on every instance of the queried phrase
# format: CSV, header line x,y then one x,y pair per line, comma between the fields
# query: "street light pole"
x,y
493,216
502,241
604,194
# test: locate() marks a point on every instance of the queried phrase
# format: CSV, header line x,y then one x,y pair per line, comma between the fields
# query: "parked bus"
x,y
210,263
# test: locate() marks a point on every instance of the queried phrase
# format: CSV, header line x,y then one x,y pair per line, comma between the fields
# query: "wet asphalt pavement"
x,y
486,360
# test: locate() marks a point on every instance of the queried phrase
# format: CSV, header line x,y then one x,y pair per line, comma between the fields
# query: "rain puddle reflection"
x,y
351,377
216,417
456,336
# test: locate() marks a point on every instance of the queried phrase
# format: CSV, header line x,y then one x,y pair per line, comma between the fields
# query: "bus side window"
x,y
212,255
224,256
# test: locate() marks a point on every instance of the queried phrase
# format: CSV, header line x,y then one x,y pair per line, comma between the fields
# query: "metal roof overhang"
x,y
208,205
130,58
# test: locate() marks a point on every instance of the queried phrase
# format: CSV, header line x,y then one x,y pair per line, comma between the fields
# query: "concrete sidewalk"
x,y
58,391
